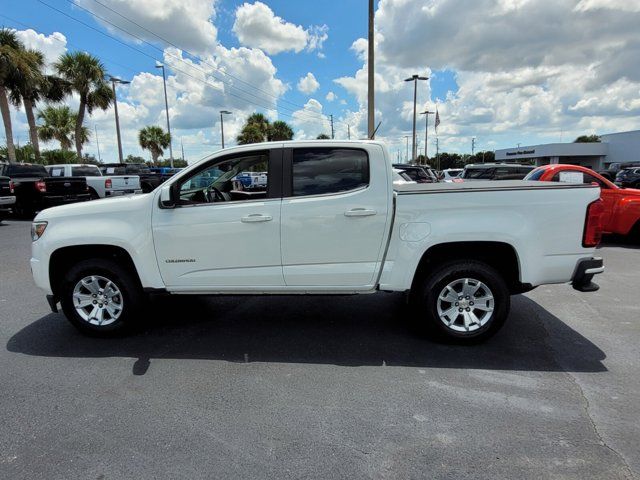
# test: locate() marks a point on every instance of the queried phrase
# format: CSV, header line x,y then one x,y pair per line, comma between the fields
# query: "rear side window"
x,y
85,171
535,175
318,171
486,173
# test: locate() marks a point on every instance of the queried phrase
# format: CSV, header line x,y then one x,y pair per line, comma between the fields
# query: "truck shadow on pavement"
x,y
348,331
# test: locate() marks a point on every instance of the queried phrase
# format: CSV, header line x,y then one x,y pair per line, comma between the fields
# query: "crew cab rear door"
x,y
335,214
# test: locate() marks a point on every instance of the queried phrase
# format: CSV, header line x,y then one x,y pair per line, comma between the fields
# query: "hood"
x,y
124,204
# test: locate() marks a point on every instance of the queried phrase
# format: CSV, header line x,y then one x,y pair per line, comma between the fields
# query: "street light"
x,y
223,112
113,81
166,105
407,157
414,79
426,114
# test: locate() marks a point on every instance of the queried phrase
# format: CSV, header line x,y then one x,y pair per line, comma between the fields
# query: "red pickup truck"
x,y
622,205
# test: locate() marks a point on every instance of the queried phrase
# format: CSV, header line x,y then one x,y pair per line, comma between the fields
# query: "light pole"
x,y
223,112
414,79
97,143
426,114
166,106
113,81
371,109
407,157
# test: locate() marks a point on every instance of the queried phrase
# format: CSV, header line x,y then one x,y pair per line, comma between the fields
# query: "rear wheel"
x,y
464,301
101,298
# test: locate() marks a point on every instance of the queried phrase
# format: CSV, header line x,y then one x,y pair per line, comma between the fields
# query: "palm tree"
x,y
250,133
86,76
58,123
279,131
154,139
34,86
12,64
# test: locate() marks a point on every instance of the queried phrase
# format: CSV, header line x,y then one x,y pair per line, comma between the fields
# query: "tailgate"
x,y
125,182
65,185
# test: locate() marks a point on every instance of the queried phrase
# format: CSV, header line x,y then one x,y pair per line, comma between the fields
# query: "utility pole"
x,y
113,81
407,157
414,79
349,132
426,114
166,105
97,143
223,112
371,109
182,148
473,145
332,132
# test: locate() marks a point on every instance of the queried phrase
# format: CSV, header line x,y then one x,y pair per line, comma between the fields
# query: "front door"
x,y
334,216
223,235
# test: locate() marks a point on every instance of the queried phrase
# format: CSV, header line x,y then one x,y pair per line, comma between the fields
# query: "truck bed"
x,y
483,185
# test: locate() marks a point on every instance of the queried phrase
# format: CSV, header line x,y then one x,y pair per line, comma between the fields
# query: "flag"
x,y
437,122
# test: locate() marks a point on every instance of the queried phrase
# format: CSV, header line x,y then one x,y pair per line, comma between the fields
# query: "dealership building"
x,y
620,147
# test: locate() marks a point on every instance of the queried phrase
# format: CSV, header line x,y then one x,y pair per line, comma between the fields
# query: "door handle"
x,y
360,212
256,217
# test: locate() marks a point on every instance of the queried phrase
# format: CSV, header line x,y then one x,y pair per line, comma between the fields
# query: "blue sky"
x,y
490,80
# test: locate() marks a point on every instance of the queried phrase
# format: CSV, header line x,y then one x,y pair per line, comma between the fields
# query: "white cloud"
x,y
256,25
185,23
537,83
309,122
52,46
308,84
331,96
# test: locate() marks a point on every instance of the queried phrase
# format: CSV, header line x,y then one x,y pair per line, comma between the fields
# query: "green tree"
x,y
280,131
587,139
250,133
323,136
85,75
449,160
14,65
59,123
134,159
154,139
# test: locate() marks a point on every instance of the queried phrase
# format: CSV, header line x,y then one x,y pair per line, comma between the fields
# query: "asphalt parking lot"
x,y
321,387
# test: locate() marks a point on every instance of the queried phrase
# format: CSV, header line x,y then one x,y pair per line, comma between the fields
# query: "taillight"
x,y
107,183
593,224
41,186
11,187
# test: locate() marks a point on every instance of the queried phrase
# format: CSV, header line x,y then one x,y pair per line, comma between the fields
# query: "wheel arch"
x,y
500,255
64,258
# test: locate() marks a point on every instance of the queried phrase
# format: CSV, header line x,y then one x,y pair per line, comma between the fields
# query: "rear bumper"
x,y
118,193
585,270
6,203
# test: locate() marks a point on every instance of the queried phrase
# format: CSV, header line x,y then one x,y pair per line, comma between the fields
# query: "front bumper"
x,y
585,270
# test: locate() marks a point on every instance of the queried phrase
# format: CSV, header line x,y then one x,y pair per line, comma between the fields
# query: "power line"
x,y
310,116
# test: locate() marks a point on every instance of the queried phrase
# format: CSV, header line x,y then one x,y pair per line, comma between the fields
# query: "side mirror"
x,y
168,196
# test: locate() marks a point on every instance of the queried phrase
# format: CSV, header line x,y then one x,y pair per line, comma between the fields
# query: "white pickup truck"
x,y
328,221
100,186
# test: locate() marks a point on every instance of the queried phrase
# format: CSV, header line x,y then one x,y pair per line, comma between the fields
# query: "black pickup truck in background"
x,y
148,179
7,198
36,190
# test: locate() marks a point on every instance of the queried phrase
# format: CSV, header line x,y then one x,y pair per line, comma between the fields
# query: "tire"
x,y
470,321
118,313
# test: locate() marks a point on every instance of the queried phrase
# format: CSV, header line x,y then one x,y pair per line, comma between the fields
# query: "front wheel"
x,y
101,298
464,301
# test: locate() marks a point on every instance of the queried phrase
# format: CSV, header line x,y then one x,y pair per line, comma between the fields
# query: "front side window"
x,y
318,171
238,178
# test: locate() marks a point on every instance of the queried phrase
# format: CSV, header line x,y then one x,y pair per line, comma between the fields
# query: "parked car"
x,y
400,177
448,174
35,189
614,168
628,178
148,179
100,186
621,205
495,171
330,221
417,173
7,198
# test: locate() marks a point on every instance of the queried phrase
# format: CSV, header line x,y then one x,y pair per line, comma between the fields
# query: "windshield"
x,y
534,175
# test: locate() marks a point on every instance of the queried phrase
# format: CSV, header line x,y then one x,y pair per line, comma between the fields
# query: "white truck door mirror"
x,y
166,197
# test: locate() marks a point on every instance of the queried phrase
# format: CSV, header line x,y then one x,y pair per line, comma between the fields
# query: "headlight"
x,y
37,230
